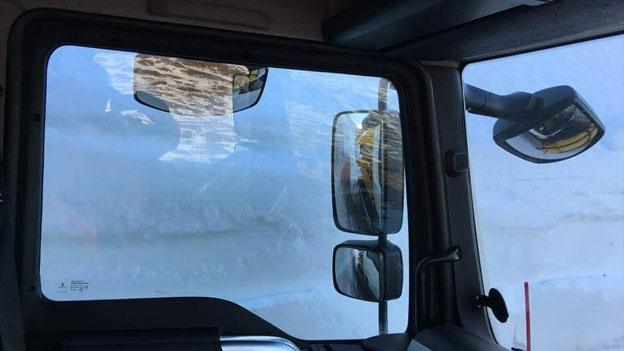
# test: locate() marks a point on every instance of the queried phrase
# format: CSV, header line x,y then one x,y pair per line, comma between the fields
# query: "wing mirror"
x,y
196,88
367,172
367,270
550,125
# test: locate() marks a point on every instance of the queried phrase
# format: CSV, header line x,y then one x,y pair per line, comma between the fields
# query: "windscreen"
x,y
174,192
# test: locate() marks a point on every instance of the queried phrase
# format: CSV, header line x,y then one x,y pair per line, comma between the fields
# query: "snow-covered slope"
x,y
558,226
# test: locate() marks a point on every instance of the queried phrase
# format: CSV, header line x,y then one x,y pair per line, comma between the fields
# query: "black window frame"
x,y
461,282
37,33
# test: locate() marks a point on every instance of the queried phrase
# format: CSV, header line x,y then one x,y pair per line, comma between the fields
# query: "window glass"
x,y
557,226
220,196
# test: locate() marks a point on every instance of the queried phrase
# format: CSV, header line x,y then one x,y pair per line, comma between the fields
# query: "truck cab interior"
x,y
269,175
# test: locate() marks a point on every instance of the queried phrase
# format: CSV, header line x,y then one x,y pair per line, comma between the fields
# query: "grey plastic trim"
x,y
256,343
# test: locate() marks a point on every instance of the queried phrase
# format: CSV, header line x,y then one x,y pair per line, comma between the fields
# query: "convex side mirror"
x,y
367,172
550,125
367,270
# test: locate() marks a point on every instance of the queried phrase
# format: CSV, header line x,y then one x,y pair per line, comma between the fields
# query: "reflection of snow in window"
x,y
135,114
203,139
118,66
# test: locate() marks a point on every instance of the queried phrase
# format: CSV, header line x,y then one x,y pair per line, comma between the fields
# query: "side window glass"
x,y
547,176
173,177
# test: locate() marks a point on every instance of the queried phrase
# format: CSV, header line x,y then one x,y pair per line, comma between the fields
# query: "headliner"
x,y
520,28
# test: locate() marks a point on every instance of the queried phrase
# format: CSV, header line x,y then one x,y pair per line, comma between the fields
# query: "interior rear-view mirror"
x,y
550,125
367,172
367,270
247,88
196,88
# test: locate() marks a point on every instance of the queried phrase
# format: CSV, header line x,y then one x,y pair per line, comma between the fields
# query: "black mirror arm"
x,y
483,102
453,254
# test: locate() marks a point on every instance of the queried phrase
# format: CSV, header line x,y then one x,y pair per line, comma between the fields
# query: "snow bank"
x,y
558,226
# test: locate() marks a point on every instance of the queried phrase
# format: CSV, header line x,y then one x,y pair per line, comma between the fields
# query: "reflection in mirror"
x,y
357,273
561,136
549,125
247,88
367,172
365,271
187,87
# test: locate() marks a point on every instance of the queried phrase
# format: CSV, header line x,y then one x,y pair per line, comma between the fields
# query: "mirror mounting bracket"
x,y
485,103
451,255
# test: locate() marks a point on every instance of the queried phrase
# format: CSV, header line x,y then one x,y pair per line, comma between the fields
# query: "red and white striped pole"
x,y
527,316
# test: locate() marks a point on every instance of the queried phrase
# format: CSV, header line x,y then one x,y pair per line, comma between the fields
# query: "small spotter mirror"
x,y
364,270
367,172
550,125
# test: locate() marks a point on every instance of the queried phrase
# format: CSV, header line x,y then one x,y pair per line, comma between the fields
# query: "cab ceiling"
x,y
434,30
285,18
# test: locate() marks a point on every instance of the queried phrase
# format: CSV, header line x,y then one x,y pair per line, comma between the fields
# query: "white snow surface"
x,y
559,226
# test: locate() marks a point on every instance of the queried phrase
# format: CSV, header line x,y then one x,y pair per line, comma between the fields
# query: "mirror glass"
x,y
367,172
565,134
188,87
247,88
357,273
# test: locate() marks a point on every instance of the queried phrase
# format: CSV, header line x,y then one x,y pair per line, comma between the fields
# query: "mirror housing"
x,y
550,125
247,88
196,88
364,270
367,172
563,126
